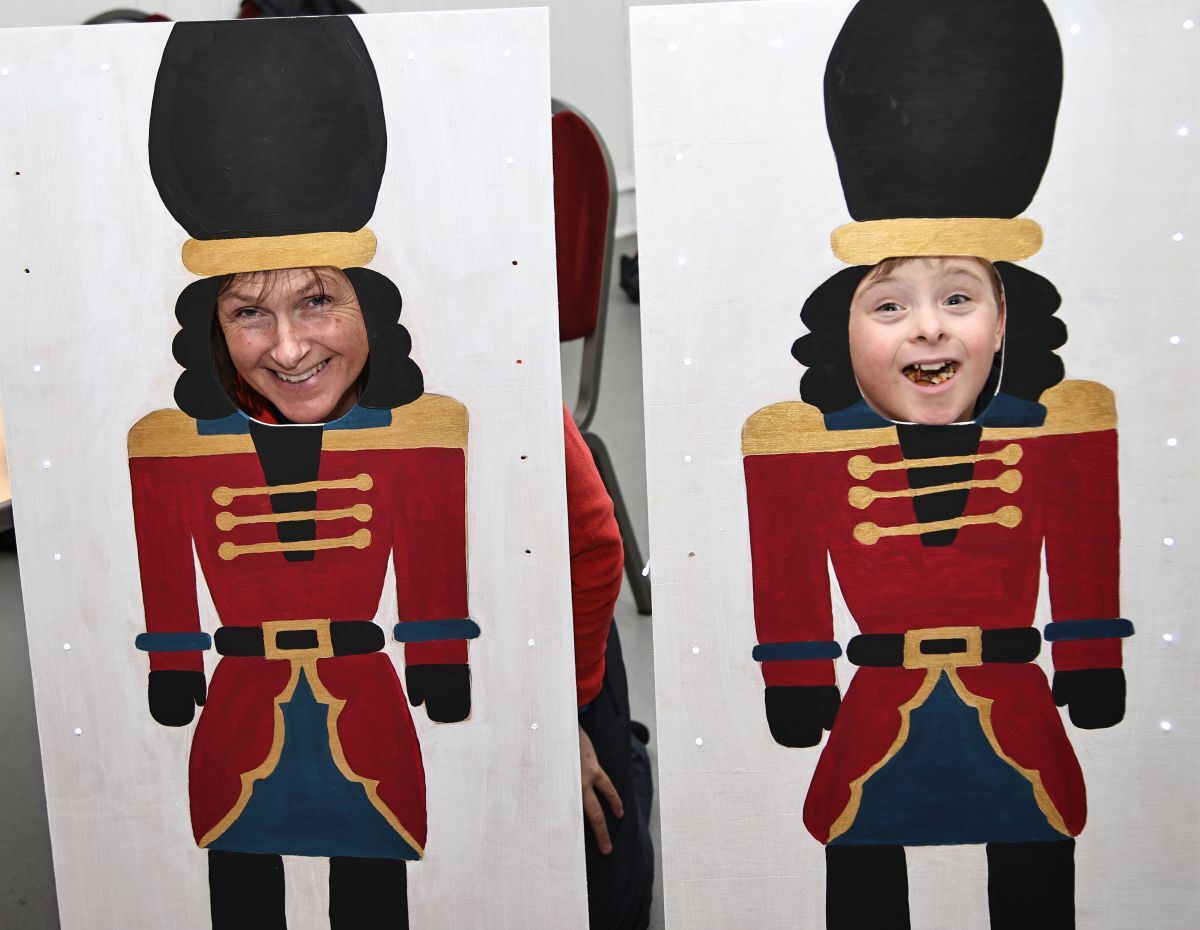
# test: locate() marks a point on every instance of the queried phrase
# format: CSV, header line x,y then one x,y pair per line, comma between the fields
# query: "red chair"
x,y
585,212
6,518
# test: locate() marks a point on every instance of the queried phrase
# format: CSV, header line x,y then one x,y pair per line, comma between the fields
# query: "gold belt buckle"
x,y
971,653
272,650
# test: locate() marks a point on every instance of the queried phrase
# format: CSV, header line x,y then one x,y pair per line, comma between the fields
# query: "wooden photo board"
x,y
786,541
413,149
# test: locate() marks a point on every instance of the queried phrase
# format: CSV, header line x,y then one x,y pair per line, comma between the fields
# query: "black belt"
x,y
345,638
887,650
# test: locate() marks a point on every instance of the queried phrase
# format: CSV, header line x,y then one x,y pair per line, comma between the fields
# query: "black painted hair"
x,y
1032,333
393,378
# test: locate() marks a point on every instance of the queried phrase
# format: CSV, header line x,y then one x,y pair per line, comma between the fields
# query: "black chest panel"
x,y
927,442
290,455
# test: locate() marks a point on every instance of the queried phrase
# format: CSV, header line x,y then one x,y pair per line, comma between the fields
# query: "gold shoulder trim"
x,y
1071,407
172,433
431,421
794,426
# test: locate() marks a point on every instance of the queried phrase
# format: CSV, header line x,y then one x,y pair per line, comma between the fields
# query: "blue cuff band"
x,y
428,631
790,652
1065,631
173,642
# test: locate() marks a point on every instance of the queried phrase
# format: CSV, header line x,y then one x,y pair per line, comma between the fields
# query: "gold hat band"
x,y
997,240
210,257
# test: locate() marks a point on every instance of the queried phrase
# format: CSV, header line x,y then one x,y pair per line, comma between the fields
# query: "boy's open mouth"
x,y
930,373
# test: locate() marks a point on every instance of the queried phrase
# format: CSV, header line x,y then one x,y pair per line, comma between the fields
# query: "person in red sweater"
x,y
613,762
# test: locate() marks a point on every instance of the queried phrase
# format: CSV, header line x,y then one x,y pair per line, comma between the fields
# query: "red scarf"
x,y
253,404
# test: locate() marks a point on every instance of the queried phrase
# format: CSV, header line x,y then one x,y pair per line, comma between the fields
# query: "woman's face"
x,y
922,338
296,336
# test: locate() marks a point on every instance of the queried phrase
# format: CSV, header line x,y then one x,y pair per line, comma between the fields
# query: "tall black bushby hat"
x,y
941,114
267,143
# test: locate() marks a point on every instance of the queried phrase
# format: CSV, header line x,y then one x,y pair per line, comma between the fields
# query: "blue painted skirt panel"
x,y
947,786
306,807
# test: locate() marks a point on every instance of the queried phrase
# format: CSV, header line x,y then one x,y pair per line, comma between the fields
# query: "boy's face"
x,y
922,336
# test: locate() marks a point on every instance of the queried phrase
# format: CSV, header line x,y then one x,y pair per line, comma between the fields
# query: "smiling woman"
x,y
291,344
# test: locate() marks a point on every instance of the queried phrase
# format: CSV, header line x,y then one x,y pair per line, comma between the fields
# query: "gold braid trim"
x,y
997,240
210,257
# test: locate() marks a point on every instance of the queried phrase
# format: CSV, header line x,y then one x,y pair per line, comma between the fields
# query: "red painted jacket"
x,y
396,491
817,497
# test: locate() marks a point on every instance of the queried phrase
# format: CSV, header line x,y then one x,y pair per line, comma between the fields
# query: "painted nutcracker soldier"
x,y
267,144
941,114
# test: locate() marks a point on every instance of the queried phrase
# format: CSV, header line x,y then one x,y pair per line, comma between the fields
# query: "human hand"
x,y
174,695
596,782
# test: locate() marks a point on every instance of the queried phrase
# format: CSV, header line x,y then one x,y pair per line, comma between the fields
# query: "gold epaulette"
x,y
793,426
430,422
1071,407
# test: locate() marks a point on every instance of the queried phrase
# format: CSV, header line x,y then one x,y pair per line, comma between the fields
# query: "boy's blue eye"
x,y
957,299
890,307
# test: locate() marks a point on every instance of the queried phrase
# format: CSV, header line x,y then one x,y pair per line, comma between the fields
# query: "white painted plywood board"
x,y
465,226
738,193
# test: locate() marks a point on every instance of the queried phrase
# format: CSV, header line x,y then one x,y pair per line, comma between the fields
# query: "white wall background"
x,y
738,192
94,315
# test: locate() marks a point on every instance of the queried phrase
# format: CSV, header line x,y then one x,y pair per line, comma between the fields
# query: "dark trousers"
x,y
619,884
246,893
1030,885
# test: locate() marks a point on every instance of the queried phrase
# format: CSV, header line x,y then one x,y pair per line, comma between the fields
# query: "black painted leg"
x,y
367,894
1031,885
866,887
246,891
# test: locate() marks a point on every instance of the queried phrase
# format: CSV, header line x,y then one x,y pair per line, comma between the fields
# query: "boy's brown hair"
x,y
886,266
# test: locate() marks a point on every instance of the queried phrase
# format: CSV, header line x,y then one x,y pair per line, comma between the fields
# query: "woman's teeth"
x,y
304,375
930,373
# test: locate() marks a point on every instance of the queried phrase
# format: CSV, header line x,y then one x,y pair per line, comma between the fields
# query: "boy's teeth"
x,y
930,373
303,376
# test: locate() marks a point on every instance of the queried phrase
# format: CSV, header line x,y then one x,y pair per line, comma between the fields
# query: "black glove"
x,y
797,714
445,690
174,696
1094,697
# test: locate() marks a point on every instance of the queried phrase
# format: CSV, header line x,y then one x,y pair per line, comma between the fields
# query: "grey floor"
x,y
27,900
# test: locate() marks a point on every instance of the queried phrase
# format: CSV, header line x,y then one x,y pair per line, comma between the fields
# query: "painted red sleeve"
x,y
1083,536
430,549
596,561
789,554
162,525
